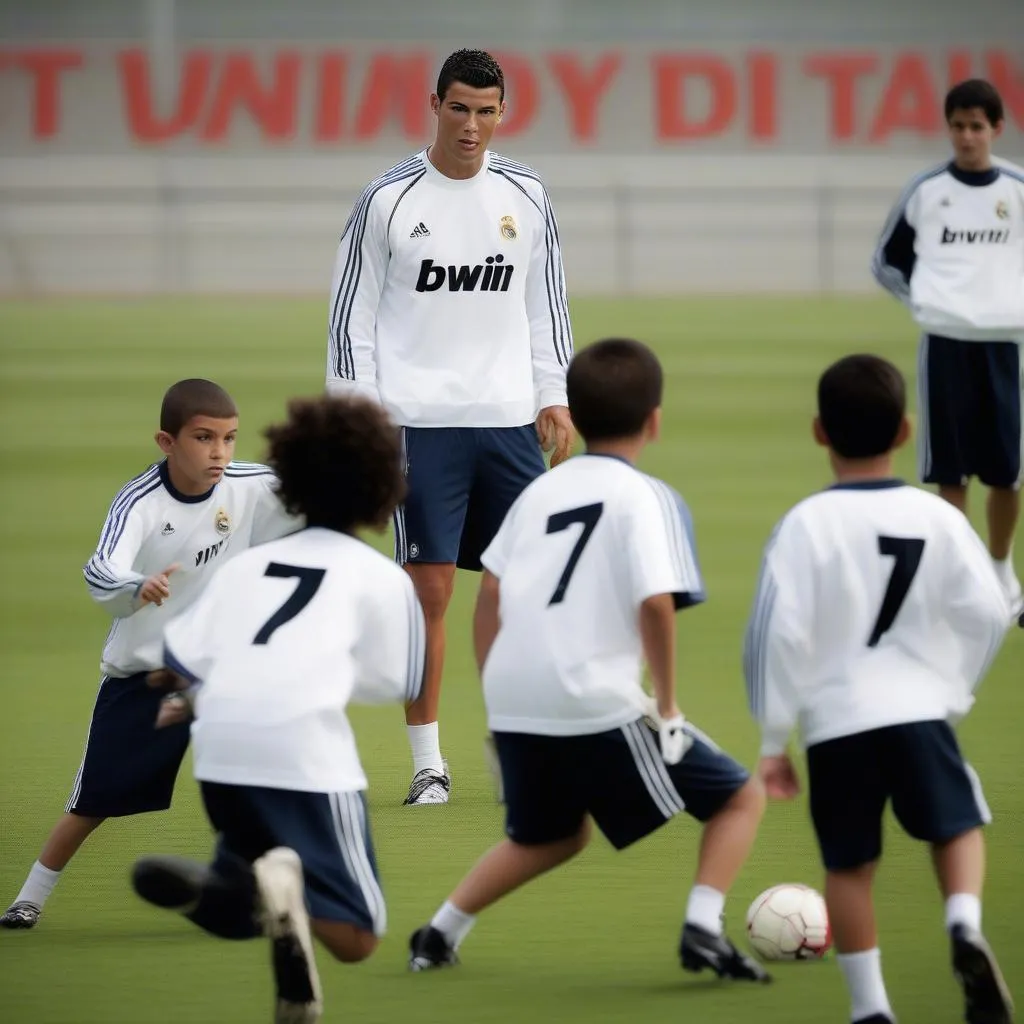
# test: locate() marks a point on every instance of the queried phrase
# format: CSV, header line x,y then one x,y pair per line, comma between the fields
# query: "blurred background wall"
x,y
216,146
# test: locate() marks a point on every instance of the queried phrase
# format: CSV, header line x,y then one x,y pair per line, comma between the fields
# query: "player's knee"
x,y
434,584
346,942
749,799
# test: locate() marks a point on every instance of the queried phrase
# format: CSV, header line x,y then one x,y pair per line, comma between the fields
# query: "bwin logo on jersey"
x,y
489,276
987,236
211,552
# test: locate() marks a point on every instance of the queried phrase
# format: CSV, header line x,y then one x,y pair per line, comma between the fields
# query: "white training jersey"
x,y
285,636
581,549
877,605
448,299
151,526
953,251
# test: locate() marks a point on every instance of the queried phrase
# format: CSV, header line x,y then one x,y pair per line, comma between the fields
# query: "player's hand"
x,y
166,679
556,432
174,710
675,741
779,777
157,588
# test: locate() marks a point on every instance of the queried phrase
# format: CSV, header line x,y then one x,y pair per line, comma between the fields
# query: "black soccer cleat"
x,y
429,949
23,915
700,949
986,997
174,883
875,1018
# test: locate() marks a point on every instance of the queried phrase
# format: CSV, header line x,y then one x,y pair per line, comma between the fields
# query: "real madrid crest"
x,y
1002,210
507,228
222,521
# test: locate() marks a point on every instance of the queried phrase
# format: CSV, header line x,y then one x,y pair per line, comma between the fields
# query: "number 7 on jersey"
x,y
587,516
906,552
309,584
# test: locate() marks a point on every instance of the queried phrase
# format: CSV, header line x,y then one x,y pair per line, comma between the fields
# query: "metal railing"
x,y
616,239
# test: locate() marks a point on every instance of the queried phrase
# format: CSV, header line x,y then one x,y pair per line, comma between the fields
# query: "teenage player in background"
x,y
278,645
878,685
581,587
953,251
448,305
166,534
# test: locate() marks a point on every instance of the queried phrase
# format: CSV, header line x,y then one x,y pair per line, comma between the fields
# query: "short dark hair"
x,y
475,68
338,461
613,386
975,92
194,397
862,400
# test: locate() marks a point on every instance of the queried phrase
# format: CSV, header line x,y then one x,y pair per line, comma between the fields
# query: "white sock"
x,y
704,908
38,885
425,746
963,908
863,974
452,923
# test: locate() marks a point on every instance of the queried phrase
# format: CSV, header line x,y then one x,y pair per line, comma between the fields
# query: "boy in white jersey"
x,y
877,614
448,305
953,251
167,532
580,588
282,640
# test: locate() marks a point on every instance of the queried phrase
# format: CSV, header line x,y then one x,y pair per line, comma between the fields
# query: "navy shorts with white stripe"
x,y
329,831
462,481
618,777
129,766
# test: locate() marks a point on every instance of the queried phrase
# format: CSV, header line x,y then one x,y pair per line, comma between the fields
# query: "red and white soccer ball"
x,y
789,922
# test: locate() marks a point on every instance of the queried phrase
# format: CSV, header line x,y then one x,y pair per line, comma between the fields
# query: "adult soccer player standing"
x,y
953,251
877,687
448,305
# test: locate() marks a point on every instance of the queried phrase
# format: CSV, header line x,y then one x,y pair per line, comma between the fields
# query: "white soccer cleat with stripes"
x,y
285,920
21,915
429,786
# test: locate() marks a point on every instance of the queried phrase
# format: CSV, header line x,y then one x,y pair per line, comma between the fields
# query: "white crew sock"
x,y
963,908
452,923
425,746
704,908
863,974
38,885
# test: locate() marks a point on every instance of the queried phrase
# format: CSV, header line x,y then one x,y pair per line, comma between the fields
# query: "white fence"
x,y
629,226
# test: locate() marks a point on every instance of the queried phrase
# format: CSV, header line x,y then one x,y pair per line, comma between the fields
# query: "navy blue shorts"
x,y
129,766
936,795
618,777
969,412
329,831
462,482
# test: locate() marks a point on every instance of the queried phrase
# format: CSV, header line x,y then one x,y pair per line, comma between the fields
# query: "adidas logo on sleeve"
x,y
420,231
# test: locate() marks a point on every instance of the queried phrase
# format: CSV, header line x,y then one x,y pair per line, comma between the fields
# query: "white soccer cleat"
x,y
429,786
21,915
285,920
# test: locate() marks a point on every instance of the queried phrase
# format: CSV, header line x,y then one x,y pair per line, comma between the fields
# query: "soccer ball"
x,y
789,922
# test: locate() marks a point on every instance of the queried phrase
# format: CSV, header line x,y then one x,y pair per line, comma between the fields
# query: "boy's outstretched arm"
x,y
112,582
658,635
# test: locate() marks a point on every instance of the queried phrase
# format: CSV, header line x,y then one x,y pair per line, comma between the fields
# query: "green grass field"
x,y
81,385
